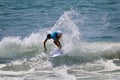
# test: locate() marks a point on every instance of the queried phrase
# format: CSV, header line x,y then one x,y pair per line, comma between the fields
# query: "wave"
x,y
80,50
74,48
14,47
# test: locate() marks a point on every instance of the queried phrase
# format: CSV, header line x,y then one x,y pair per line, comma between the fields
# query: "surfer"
x,y
55,36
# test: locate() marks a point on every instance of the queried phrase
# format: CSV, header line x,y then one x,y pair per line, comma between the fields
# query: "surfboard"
x,y
56,53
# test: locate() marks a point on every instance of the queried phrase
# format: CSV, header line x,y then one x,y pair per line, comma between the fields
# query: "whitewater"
x,y
25,59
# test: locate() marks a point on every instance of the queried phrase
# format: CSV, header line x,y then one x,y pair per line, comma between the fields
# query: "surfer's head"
x,y
48,36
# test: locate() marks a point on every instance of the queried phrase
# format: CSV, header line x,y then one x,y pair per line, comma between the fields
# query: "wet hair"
x,y
48,36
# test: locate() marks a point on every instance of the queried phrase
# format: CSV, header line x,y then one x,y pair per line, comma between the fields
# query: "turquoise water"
x,y
90,41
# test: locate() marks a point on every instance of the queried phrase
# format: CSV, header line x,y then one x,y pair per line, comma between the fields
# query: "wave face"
x,y
72,44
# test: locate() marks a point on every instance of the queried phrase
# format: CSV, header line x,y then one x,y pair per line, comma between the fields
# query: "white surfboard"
x,y
56,53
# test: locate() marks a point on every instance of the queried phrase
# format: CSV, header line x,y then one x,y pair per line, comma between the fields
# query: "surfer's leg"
x,y
57,44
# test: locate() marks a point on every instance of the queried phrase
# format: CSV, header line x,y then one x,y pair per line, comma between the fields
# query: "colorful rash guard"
x,y
54,35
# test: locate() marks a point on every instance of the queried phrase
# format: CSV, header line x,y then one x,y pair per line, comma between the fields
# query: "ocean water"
x,y
90,41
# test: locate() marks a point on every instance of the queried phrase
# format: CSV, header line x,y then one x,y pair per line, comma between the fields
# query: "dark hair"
x,y
48,36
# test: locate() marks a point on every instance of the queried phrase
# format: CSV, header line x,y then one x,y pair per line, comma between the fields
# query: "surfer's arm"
x,y
45,44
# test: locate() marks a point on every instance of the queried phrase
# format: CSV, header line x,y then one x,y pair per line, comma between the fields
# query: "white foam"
x,y
67,26
110,66
2,65
13,73
15,46
63,75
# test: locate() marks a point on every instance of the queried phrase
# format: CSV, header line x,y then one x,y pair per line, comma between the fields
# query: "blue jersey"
x,y
54,35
